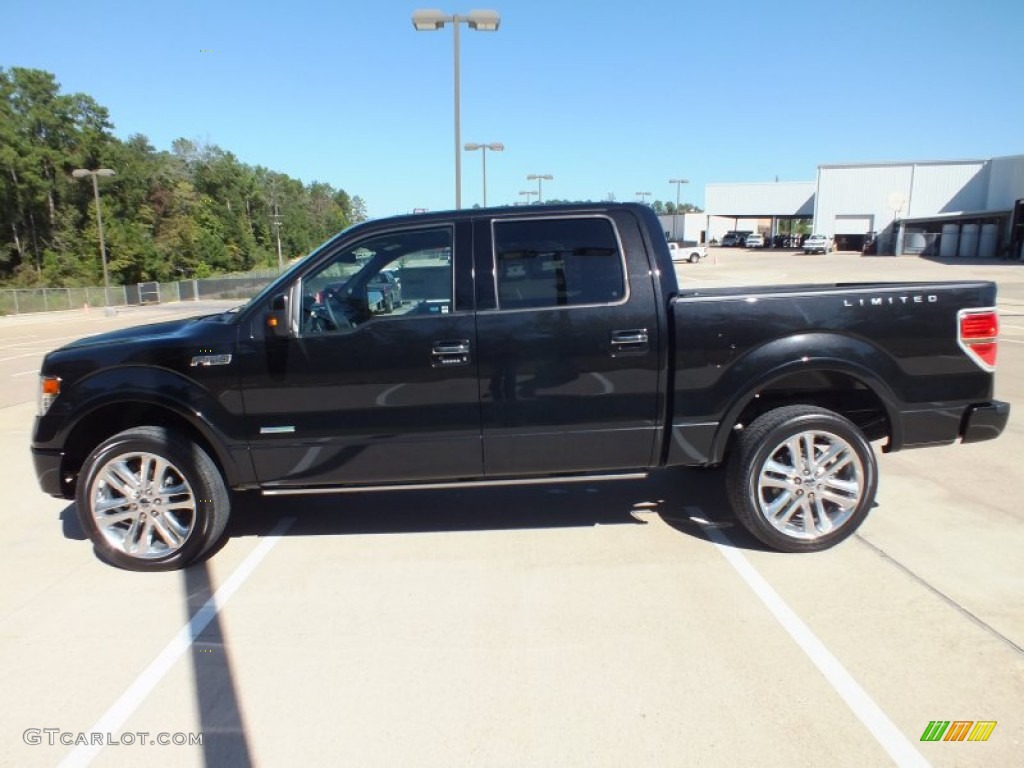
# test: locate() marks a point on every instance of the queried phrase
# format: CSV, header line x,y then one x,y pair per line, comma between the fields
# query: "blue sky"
x,y
610,99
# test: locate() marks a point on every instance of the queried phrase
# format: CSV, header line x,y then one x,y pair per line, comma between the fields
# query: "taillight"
x,y
978,335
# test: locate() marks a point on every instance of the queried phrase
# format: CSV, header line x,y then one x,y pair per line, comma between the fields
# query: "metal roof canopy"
x,y
958,216
900,163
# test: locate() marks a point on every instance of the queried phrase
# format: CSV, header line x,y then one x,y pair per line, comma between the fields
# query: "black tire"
x,y
694,258
161,495
813,506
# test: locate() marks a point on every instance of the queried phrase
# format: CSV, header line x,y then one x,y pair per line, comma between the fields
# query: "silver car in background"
x,y
818,244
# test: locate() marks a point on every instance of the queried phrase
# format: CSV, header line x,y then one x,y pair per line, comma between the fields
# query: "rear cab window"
x,y
558,262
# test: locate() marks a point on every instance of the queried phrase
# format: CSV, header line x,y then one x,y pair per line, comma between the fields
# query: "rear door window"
x,y
564,262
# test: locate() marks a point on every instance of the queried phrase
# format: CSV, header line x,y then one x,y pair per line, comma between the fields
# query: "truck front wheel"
x,y
802,478
151,500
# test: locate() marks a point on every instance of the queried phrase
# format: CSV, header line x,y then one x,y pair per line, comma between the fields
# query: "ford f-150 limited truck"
x,y
531,345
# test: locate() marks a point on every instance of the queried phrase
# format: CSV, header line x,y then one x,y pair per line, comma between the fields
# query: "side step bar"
x,y
457,484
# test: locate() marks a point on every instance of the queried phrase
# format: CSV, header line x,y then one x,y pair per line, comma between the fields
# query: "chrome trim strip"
x,y
454,485
814,290
277,430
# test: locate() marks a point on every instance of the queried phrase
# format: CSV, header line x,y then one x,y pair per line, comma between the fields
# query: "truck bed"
x,y
887,354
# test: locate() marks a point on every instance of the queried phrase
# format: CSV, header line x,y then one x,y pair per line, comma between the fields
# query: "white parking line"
x,y
24,373
18,357
136,693
891,739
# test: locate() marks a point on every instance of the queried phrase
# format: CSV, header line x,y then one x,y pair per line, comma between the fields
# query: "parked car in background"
x,y
388,283
735,238
818,244
690,253
755,240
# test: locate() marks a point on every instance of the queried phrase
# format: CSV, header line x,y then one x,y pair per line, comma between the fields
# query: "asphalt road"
x,y
590,625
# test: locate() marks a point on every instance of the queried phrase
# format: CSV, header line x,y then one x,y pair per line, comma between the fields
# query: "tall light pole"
x,y
675,213
81,173
527,192
433,20
496,146
643,196
540,177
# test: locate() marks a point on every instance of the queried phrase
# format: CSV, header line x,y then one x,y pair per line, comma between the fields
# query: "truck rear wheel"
x,y
802,478
151,500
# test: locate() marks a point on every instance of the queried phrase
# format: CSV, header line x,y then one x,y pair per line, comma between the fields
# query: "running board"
x,y
457,484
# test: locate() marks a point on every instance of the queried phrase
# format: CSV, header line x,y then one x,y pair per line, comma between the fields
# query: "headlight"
x,y
49,388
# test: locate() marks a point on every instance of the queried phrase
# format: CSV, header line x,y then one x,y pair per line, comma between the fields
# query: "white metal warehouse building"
x,y
949,209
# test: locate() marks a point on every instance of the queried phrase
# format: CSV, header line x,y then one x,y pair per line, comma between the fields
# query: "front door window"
x,y
400,274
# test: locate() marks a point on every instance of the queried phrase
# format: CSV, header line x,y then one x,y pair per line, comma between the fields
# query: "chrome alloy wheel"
x,y
142,505
810,485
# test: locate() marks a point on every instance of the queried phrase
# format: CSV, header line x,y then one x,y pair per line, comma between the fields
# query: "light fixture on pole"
x,y
675,213
81,173
527,192
496,146
540,177
433,20
643,196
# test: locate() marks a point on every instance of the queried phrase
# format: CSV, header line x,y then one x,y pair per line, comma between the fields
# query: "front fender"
x,y
212,407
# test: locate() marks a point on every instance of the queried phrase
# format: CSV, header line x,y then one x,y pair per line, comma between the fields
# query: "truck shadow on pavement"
x,y
688,500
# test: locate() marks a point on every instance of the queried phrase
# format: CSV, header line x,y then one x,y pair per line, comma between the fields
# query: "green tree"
x,y
191,211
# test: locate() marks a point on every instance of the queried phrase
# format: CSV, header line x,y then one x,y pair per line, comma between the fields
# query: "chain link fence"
x,y
20,301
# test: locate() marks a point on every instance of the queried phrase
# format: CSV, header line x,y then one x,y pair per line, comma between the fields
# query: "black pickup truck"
x,y
529,345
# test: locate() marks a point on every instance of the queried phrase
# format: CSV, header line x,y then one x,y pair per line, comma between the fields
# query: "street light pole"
x,y
540,177
643,196
432,20
496,146
527,192
458,111
81,173
675,213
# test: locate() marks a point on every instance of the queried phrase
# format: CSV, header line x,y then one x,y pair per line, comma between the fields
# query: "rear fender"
x,y
769,364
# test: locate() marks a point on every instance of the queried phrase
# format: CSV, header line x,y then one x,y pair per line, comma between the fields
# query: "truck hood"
x,y
170,330
172,345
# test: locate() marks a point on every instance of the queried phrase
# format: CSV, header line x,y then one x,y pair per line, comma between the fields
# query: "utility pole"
x,y
675,213
275,219
81,173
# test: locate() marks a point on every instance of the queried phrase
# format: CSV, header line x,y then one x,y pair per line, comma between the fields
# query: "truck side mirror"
x,y
276,320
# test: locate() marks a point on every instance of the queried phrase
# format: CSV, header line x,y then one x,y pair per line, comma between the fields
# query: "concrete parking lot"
x,y
584,625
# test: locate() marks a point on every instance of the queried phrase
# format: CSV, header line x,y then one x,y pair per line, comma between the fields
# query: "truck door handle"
x,y
632,342
448,353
